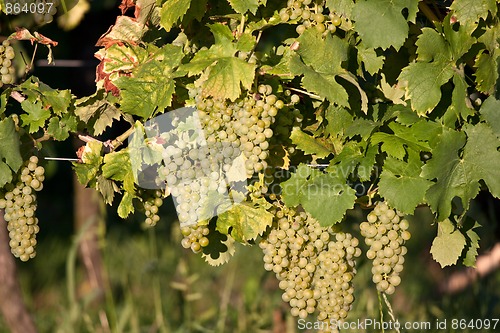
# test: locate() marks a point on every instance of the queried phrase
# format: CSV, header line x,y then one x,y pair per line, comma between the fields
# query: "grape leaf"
x,y
401,185
354,156
326,197
393,93
309,144
105,119
362,127
438,52
221,253
87,171
223,73
471,248
5,174
59,128
486,73
424,84
473,10
58,100
450,174
126,206
121,58
461,106
3,101
10,156
481,156
341,7
432,46
126,29
107,188
371,60
459,177
381,23
338,120
117,166
150,89
226,76
172,11
448,244
244,221
243,6
320,61
489,113
292,187
398,143
35,117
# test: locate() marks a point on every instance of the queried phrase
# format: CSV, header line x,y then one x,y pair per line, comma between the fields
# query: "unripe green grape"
x,y
336,20
300,29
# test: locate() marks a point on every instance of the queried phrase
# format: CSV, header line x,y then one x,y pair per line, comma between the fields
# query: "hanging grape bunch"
x,y
245,124
315,266
310,14
195,237
201,165
152,203
7,70
385,232
19,203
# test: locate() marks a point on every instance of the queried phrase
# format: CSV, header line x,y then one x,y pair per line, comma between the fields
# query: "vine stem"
x,y
118,141
428,12
391,312
16,95
242,25
306,93
381,309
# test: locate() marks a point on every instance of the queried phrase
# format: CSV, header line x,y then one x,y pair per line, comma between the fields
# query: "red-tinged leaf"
x,y
125,5
125,29
24,34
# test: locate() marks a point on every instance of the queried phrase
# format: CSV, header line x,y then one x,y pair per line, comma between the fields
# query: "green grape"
x,y
336,20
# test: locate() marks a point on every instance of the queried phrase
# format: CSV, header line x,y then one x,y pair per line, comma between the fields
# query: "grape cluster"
x,y
310,14
195,174
314,265
195,237
7,70
19,203
209,154
386,231
245,124
151,207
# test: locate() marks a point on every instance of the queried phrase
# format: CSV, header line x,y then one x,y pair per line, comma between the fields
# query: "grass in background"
x,y
157,286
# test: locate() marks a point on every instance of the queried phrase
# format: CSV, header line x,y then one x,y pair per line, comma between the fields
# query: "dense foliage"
x,y
267,121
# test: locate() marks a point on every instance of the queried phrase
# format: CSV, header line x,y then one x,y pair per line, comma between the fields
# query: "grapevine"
x,y
273,123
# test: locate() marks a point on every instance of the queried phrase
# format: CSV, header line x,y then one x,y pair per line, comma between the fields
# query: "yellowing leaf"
x,y
244,221
172,11
227,76
448,245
